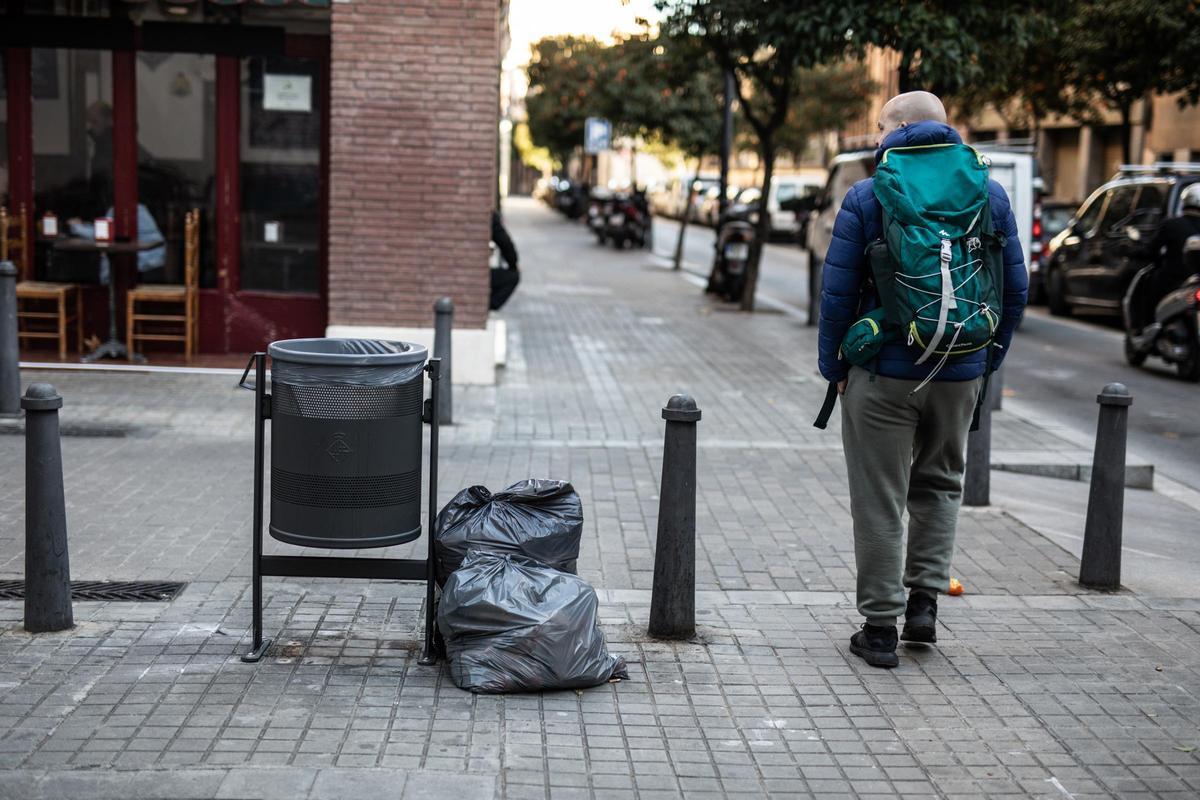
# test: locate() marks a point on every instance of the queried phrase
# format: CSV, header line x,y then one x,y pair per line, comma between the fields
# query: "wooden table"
x,y
113,347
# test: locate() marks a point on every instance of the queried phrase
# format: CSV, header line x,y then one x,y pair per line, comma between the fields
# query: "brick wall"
x,y
413,116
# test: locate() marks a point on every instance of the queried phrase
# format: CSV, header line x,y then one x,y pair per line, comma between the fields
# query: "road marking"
x,y
1080,325
693,273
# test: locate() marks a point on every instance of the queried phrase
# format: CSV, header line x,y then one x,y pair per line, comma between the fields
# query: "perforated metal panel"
x,y
324,491
346,463
336,401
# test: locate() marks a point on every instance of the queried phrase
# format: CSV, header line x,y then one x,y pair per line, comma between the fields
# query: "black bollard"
x,y
996,389
47,568
673,597
1100,566
977,480
10,348
443,325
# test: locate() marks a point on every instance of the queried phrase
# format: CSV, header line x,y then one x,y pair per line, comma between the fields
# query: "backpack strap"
x,y
983,391
831,396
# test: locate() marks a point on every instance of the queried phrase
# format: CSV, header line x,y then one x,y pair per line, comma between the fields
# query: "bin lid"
x,y
347,352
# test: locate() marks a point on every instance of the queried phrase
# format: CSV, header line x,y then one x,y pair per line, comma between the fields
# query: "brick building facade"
x,y
415,94
341,156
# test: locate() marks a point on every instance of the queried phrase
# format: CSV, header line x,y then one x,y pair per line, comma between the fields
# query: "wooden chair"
x,y
158,296
39,302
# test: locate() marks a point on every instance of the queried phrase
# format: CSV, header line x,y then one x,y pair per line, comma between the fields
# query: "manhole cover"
x,y
138,591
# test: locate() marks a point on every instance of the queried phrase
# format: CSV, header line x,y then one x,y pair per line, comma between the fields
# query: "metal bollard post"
x,y
673,597
443,325
996,389
10,348
977,480
1100,566
47,568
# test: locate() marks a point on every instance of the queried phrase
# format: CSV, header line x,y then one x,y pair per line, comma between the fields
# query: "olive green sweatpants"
x,y
903,451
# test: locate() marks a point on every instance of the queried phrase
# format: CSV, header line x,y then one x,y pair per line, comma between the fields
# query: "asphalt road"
x,y
1058,365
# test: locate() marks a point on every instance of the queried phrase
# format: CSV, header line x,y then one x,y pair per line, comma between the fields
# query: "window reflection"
x,y
3,130
176,108
72,145
280,174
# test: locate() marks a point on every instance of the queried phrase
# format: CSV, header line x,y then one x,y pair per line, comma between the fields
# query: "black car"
x,y
1092,261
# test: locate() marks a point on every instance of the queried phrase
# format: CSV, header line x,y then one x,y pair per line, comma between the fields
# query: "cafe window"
x,y
72,143
176,109
3,130
281,123
68,8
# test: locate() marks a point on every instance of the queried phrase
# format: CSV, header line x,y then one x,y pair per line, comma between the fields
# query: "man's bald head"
x,y
905,109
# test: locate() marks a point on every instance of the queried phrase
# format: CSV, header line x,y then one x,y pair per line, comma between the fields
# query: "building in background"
x,y
342,154
1074,158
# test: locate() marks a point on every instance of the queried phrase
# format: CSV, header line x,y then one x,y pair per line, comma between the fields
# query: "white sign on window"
x,y
287,93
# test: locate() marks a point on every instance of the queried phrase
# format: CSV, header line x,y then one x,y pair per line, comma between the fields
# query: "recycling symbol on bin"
x,y
338,449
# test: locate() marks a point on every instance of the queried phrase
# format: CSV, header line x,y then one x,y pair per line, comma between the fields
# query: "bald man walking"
x,y
905,416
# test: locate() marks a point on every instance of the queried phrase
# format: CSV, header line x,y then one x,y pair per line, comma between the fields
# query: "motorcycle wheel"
x,y
618,242
1189,368
1134,356
1055,294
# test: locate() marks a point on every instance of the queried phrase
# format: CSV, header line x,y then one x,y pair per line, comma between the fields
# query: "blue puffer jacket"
x,y
858,224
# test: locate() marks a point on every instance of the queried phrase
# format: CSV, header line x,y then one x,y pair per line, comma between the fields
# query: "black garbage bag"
x,y
513,625
539,519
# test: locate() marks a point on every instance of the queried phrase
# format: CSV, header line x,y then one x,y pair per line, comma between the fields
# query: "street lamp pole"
x,y
726,143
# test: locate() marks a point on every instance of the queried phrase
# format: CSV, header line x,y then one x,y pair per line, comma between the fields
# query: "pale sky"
x,y
530,20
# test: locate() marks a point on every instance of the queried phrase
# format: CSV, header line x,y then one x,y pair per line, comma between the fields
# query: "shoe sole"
x,y
875,658
925,634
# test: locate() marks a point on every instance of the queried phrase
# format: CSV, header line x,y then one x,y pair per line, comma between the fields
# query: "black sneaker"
x,y
876,645
920,618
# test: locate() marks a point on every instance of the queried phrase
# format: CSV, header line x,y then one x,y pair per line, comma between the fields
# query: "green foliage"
x,y
662,91
948,46
827,97
531,155
568,76
1122,50
1021,75
766,43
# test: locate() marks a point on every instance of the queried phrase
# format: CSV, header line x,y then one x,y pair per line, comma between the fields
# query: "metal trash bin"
x,y
345,463
346,442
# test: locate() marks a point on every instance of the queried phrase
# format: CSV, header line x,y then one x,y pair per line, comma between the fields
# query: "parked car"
x,y
785,191
845,170
1013,169
1050,217
1093,260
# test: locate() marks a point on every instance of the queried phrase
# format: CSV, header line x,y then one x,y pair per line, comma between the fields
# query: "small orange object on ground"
x,y
956,588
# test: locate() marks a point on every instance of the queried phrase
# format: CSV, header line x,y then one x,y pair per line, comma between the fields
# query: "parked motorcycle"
x,y
629,221
735,237
600,207
1173,334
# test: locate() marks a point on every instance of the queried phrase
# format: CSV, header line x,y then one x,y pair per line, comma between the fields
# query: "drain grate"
x,y
137,591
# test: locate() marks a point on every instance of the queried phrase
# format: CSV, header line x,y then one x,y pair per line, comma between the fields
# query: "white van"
x,y
1012,169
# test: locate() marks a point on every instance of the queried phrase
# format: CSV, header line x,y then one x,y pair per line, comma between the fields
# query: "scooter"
x,y
731,260
1174,333
629,221
599,209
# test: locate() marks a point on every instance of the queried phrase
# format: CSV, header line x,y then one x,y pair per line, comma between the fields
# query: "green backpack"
x,y
939,266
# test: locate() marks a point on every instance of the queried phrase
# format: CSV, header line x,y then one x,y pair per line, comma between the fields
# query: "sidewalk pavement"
x,y
1037,689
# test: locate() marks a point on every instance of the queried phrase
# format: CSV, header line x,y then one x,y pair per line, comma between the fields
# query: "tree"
x,y
764,44
1021,77
1122,51
947,46
568,76
827,97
